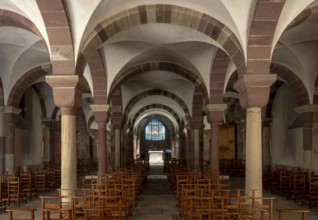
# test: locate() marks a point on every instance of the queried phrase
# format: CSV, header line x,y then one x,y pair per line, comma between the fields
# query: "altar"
x,y
155,157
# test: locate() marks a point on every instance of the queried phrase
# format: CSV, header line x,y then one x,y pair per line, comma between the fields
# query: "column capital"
x,y
67,90
101,113
46,122
254,89
13,110
307,113
306,108
214,112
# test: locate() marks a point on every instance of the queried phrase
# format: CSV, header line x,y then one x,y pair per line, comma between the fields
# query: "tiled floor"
x,y
157,201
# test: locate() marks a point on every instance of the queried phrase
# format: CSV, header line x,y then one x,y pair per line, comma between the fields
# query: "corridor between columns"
x,y
157,200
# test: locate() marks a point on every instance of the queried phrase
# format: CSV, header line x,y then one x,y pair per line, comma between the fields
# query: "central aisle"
x,y
157,200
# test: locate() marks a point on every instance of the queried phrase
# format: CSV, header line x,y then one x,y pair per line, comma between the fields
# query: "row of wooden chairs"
x,y
293,183
111,196
25,186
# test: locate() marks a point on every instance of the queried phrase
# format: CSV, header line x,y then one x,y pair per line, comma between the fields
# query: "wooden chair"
x,y
285,183
299,183
96,214
14,190
294,214
19,210
52,208
50,179
26,184
40,181
3,194
311,198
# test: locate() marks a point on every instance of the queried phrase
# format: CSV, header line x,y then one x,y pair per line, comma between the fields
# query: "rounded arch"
x,y
163,66
12,19
158,92
157,106
301,93
163,13
23,83
169,125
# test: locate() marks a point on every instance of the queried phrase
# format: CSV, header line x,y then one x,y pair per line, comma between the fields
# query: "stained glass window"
x,y
155,131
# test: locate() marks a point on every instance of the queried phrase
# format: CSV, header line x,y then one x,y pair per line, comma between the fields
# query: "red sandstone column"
x,y
215,117
68,96
196,126
117,130
101,117
254,93
9,123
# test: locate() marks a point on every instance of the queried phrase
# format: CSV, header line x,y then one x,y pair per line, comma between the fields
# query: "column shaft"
x,y
102,146
214,148
68,151
253,172
9,142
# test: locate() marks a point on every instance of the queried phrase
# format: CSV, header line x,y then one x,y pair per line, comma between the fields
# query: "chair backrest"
x,y
296,214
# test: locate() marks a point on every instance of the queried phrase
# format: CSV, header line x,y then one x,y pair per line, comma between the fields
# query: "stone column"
x,y
308,115
177,148
68,148
196,125
254,93
189,148
253,173
46,141
2,143
68,96
10,115
101,117
215,117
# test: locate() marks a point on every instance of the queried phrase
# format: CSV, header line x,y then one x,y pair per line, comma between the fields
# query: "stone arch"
x,y
162,118
157,106
217,78
99,78
60,35
261,34
164,66
301,93
12,19
169,14
160,93
23,83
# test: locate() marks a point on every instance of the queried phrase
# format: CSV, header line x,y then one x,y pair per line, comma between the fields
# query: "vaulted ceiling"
x,y
152,66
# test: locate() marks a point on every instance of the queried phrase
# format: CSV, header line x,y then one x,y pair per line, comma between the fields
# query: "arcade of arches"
x,y
80,80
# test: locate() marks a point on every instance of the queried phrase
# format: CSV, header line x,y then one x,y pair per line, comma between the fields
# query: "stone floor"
x,y
157,201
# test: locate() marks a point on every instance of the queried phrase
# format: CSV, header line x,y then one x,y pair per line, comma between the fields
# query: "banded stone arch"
x,y
23,83
163,66
158,92
157,106
162,118
168,14
99,78
261,36
300,91
60,36
217,79
12,19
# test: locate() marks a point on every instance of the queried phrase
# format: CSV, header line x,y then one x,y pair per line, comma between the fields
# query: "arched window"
x,y
155,131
